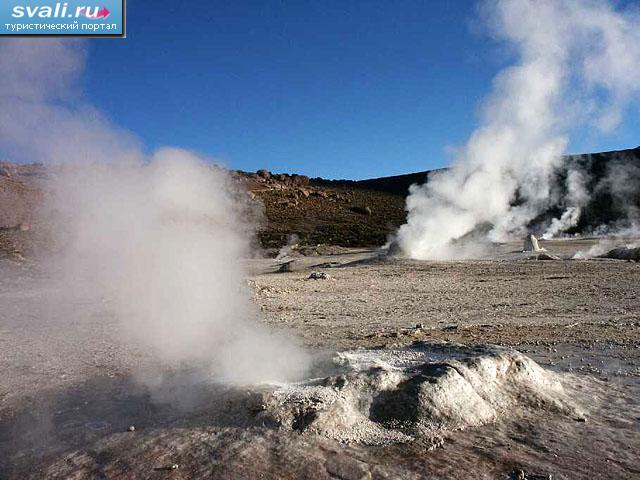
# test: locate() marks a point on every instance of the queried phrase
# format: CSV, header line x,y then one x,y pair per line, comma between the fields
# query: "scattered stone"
x,y
546,256
299,180
132,428
519,474
328,265
361,210
173,466
319,276
262,173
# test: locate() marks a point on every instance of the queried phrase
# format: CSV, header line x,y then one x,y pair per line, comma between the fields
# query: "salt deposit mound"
x,y
531,244
387,396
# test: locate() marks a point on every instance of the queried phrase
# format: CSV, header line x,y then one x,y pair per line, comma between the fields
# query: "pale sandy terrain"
x,y
67,401
508,299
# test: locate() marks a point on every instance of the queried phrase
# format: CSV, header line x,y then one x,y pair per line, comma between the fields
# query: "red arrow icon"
x,y
103,13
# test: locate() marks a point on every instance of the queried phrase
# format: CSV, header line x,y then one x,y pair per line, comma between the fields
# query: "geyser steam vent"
x,y
387,396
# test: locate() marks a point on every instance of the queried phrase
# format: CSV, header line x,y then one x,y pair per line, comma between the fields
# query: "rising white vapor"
x,y
156,240
578,63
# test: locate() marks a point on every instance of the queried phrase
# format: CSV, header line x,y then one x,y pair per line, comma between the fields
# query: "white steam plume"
x,y
577,197
578,62
622,180
155,240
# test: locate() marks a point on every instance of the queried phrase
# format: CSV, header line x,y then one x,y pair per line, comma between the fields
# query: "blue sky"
x,y
339,89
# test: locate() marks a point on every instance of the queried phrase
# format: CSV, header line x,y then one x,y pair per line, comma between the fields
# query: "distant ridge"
x,y
595,163
350,213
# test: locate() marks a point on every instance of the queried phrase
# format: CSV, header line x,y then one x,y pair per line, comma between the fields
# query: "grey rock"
x,y
624,253
262,173
361,210
546,256
319,276
290,266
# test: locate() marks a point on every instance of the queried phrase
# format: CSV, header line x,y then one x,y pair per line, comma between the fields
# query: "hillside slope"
x,y
366,212
346,212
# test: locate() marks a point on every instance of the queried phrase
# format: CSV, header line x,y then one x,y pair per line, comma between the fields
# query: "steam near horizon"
x,y
156,240
578,63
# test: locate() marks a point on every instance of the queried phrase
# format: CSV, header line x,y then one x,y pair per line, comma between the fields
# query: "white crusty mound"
x,y
531,244
386,396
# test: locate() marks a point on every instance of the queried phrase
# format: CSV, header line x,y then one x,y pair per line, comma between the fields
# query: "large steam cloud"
x,y
578,63
155,240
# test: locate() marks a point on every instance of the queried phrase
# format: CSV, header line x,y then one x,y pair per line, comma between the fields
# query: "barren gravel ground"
x,y
66,402
511,301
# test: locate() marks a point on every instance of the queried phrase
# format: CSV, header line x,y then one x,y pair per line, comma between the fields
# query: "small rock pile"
x,y
319,276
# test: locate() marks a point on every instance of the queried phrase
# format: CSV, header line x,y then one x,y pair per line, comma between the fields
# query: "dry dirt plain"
x,y
66,415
